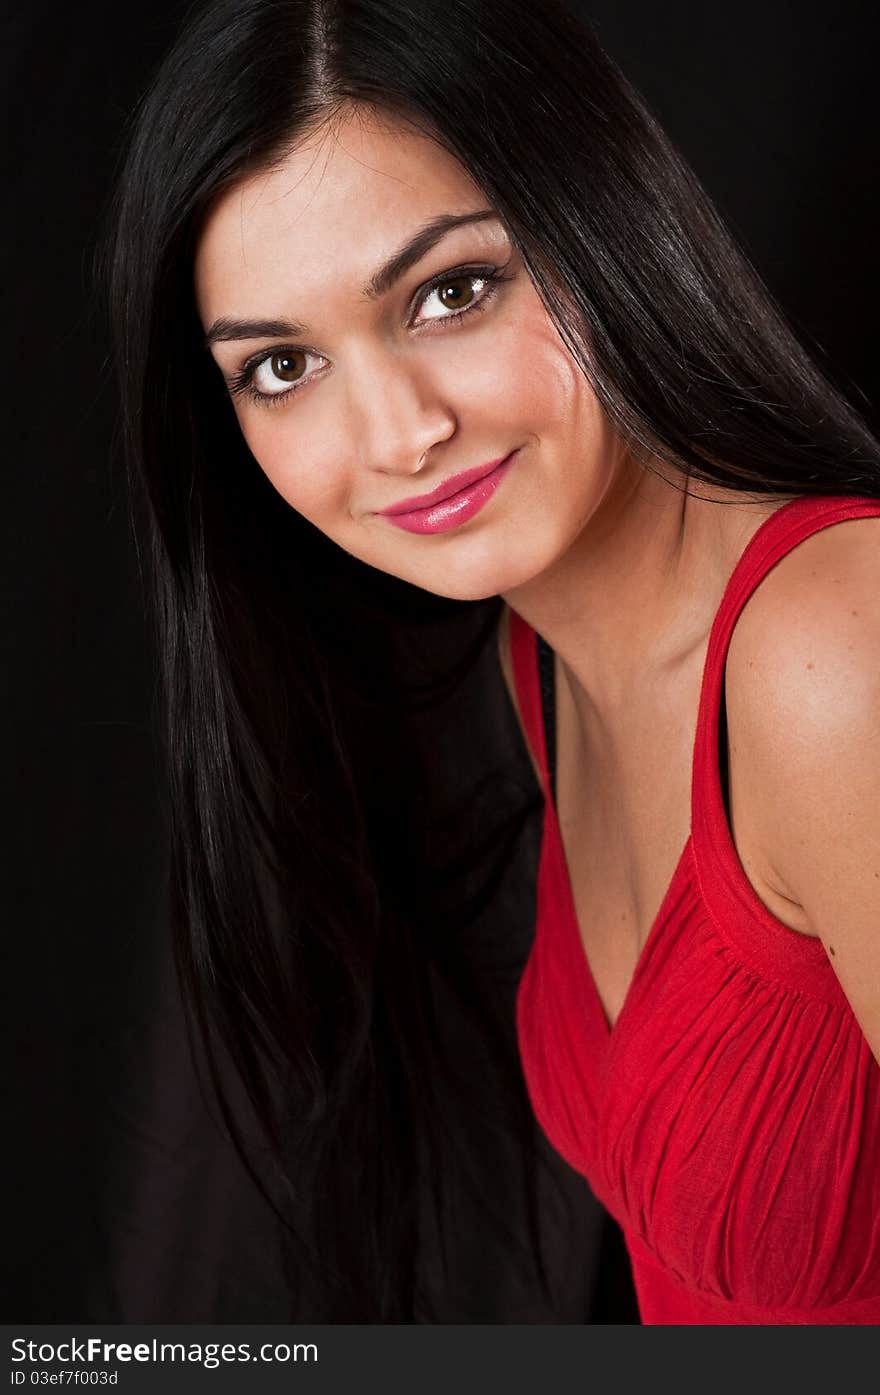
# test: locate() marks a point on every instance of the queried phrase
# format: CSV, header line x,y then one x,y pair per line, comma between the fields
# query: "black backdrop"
x,y
124,1203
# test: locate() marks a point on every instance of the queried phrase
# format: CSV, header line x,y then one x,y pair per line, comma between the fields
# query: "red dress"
x,y
730,1120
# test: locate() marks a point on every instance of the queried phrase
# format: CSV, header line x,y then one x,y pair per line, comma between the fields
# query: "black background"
x,y
124,1205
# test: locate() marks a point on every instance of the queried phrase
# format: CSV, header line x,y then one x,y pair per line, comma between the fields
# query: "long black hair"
x,y
316,883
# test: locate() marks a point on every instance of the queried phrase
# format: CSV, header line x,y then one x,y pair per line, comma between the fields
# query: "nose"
x,y
398,413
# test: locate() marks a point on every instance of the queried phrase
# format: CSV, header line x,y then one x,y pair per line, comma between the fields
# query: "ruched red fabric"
x,y
730,1119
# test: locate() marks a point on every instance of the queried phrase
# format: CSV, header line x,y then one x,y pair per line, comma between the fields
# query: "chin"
x,y
463,593
477,582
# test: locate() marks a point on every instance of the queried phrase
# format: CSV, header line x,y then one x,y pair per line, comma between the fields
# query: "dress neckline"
x,y
772,530
555,848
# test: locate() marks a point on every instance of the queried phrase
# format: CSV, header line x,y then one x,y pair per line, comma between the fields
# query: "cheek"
x,y
525,376
553,385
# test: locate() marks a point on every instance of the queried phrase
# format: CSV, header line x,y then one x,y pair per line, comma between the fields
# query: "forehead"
x,y
335,206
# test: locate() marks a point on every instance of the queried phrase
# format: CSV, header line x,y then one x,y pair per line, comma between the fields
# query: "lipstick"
x,y
453,502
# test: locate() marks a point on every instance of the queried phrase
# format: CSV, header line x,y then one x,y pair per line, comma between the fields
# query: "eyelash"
x,y
243,381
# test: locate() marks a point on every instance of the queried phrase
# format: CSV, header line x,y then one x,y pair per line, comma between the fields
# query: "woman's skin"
x,y
620,572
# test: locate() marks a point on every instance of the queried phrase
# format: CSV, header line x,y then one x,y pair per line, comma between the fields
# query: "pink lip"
x,y
453,502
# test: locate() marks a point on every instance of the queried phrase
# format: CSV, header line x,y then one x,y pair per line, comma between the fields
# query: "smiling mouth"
x,y
453,502
454,485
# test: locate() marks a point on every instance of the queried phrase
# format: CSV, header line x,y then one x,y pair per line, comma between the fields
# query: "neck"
x,y
632,600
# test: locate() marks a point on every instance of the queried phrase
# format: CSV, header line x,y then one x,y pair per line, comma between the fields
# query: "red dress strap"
x,y
526,682
736,908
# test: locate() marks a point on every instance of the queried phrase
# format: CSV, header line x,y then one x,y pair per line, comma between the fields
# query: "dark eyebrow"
x,y
416,247
378,285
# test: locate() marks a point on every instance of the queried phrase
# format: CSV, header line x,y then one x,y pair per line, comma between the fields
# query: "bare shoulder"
x,y
803,695
805,647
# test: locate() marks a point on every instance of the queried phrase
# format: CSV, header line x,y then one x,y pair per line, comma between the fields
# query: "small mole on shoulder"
x,y
831,950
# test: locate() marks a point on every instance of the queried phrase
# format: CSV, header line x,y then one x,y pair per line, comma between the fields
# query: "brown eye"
x,y
288,366
457,292
283,371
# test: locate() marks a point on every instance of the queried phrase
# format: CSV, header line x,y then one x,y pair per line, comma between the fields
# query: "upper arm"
x,y
803,695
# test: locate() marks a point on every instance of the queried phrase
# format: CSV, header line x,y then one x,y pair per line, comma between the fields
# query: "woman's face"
x,y
349,298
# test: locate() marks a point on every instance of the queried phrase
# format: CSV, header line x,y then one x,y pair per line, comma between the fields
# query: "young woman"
x,y
430,341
